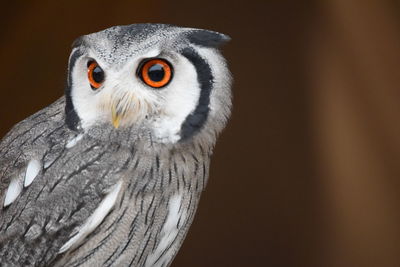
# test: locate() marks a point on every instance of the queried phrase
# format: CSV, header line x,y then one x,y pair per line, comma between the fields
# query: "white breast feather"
x,y
13,191
169,232
95,219
16,185
33,169
74,141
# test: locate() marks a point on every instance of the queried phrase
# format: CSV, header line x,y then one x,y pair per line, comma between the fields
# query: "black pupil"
x,y
98,75
156,72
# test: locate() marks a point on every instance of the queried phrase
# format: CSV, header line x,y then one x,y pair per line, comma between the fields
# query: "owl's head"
x,y
171,81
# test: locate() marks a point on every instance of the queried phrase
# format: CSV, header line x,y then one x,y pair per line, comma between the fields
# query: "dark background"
x,y
307,173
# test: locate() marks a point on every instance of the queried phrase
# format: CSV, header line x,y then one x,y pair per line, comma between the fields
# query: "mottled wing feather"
x,y
63,195
27,139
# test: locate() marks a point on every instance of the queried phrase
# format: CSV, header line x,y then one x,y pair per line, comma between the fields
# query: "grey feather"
x,y
161,181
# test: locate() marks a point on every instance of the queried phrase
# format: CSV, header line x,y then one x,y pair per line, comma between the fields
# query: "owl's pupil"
x,y
156,72
98,75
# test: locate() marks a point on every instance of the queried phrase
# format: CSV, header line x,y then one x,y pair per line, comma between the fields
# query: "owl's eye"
x,y
95,75
155,72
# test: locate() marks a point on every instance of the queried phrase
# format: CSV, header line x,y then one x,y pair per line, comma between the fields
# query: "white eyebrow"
x,y
152,53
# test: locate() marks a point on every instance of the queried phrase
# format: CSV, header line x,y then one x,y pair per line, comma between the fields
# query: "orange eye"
x,y
95,75
156,72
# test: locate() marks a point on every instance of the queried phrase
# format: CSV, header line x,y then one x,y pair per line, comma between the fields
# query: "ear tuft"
x,y
208,38
78,42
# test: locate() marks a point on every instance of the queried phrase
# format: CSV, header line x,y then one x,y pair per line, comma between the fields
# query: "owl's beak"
x,y
116,118
126,108
123,110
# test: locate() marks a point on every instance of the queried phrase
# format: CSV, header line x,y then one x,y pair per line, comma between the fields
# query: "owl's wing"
x,y
55,185
27,140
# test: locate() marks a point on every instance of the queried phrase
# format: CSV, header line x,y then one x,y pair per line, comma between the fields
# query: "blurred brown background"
x,y
308,171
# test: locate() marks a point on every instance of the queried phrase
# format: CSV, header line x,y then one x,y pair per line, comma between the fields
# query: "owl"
x,y
111,173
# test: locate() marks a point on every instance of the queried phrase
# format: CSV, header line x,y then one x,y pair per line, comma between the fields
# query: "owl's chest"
x,y
170,233
150,216
145,231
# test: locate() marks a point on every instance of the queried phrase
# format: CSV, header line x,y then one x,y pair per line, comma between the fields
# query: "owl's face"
x,y
171,81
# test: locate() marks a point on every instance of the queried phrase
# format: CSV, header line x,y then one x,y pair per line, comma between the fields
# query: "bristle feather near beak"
x,y
127,109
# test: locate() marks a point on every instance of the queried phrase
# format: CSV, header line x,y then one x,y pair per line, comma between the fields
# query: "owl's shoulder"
x,y
29,139
34,126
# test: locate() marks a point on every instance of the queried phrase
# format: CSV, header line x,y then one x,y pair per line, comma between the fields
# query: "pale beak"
x,y
123,107
116,117
126,108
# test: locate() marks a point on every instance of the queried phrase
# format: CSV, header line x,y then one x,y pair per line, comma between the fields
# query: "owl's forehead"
x,y
118,44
